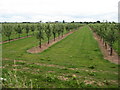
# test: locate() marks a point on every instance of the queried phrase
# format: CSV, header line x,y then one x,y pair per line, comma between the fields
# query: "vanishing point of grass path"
x,y
79,51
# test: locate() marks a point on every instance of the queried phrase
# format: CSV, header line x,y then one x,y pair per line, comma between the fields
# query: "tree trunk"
x,y
103,41
59,35
48,40
40,43
111,51
54,37
105,45
9,39
19,35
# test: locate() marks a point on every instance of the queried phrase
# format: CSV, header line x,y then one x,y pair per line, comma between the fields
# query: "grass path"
x,y
45,46
75,61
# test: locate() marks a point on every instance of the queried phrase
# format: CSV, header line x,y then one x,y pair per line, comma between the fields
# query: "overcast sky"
x,y
58,10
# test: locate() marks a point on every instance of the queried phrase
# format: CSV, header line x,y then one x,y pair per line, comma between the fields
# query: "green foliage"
x,y
7,30
18,30
40,34
27,28
54,30
48,30
33,29
111,35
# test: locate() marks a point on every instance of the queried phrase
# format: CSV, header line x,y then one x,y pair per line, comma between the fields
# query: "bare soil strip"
x,y
14,39
114,58
46,45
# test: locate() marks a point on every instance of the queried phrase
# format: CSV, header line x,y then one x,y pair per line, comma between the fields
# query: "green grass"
x,y
73,62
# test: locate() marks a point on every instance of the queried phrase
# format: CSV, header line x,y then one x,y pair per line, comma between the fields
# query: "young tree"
x,y
33,29
62,29
111,37
58,29
103,31
67,28
27,29
15,28
7,30
48,32
40,34
54,31
18,29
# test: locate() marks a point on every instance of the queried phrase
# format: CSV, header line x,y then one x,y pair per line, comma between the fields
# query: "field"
x,y
74,62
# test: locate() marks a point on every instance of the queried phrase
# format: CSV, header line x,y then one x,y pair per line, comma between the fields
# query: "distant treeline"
x,y
61,22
